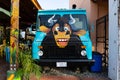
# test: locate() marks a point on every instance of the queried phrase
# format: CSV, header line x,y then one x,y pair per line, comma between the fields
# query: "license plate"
x,y
61,64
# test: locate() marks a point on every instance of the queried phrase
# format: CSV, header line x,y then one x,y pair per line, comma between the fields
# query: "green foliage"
x,y
27,66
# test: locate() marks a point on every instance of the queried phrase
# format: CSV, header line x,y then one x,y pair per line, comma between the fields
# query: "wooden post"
x,y
14,33
37,5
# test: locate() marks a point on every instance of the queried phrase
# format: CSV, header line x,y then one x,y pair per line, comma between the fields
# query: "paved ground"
x,y
4,67
52,75
68,77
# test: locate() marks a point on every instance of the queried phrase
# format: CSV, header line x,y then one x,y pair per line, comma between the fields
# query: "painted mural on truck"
x,y
62,35
62,31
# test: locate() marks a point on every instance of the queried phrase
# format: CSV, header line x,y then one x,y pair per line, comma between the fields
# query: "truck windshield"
x,y
79,21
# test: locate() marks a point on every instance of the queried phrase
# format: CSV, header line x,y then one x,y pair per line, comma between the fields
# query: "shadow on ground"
x,y
4,67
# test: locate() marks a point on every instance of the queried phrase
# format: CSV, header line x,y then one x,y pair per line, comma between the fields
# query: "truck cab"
x,y
61,38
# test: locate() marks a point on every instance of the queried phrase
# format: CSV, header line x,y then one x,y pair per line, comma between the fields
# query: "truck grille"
x,y
69,52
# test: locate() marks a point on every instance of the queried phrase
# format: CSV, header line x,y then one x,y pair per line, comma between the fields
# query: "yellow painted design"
x,y
13,51
44,29
80,32
14,30
61,38
11,77
15,10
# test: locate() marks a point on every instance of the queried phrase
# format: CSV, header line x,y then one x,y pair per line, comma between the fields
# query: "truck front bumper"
x,y
65,62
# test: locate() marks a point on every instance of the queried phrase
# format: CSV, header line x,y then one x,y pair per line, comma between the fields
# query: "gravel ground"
x,y
87,75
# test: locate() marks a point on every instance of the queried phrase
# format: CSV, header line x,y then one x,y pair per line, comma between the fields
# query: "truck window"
x,y
45,20
80,22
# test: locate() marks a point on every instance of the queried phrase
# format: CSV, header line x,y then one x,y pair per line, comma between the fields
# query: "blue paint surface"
x,y
36,43
87,42
39,36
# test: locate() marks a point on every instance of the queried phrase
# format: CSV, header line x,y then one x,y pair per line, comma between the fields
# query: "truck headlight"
x,y
40,53
83,53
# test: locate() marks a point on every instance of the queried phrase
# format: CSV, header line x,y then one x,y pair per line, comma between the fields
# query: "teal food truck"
x,y
62,37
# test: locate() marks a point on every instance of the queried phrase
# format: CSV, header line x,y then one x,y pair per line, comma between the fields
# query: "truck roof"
x,y
62,11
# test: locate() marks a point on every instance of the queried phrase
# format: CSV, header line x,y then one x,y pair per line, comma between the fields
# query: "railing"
x,y
102,38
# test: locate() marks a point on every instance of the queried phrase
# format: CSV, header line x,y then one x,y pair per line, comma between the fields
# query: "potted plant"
x,y
27,66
